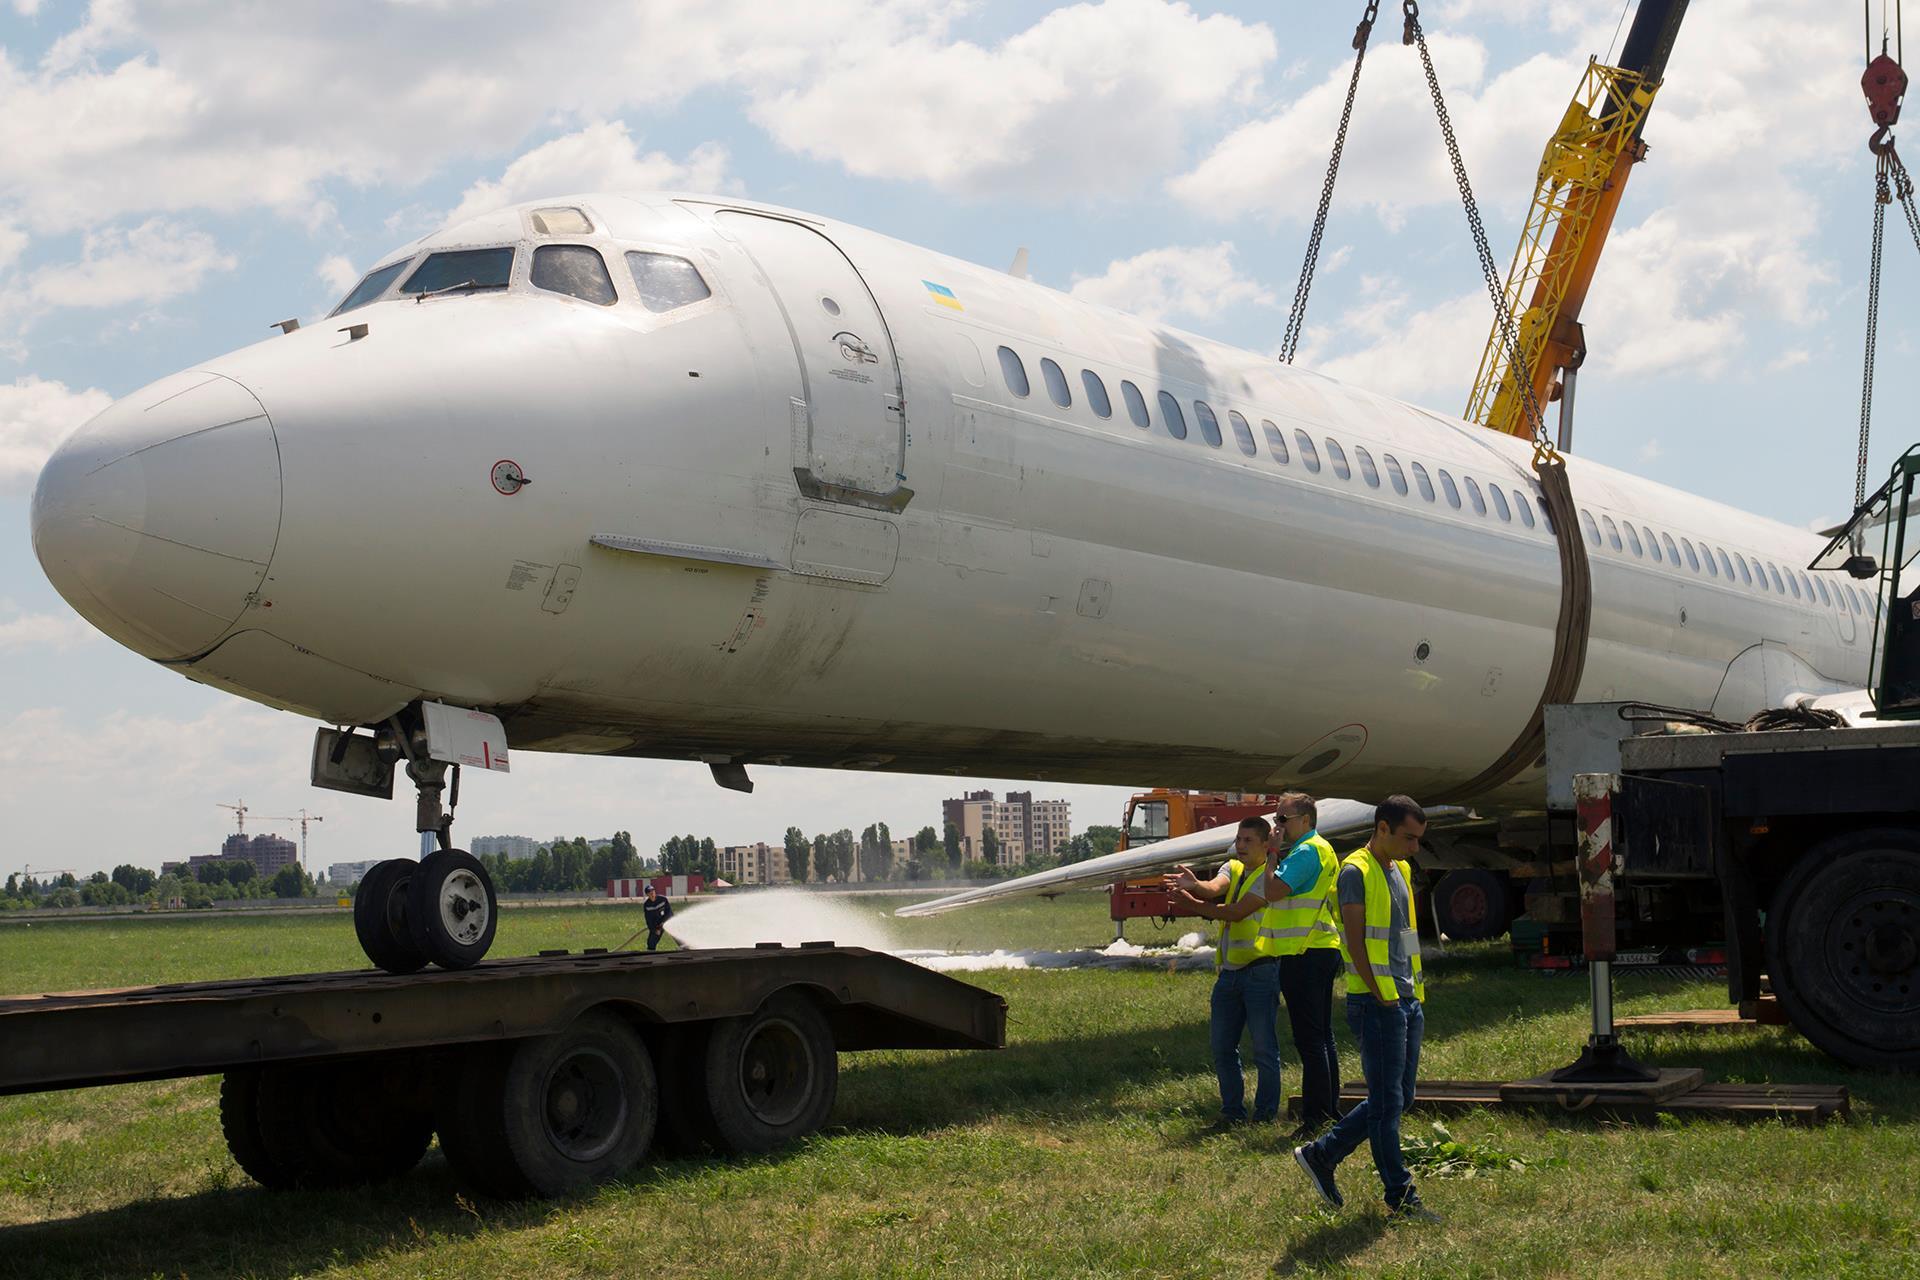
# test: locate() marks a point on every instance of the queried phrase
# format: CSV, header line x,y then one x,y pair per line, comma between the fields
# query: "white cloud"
x,y
1047,112
149,263
1196,282
36,415
601,157
1792,358
337,273
1649,452
1719,230
1385,343
12,242
44,631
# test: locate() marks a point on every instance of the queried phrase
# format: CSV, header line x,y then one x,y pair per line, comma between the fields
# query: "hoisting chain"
x,y
1883,196
1543,449
1297,318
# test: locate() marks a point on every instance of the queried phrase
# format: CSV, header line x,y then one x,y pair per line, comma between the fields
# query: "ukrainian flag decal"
x,y
943,295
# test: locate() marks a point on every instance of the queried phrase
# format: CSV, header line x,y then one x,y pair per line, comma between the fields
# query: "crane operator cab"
x,y
1894,682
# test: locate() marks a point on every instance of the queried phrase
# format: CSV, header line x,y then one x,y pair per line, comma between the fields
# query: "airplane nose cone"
x,y
156,519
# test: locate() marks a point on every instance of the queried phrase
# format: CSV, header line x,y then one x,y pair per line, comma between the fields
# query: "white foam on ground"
x,y
791,917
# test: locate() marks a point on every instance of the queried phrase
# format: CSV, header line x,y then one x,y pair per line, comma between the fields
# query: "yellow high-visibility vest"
x,y
1242,941
1379,928
1304,921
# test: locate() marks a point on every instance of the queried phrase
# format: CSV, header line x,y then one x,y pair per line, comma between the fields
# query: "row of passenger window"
x,y
1504,504
1715,562
662,281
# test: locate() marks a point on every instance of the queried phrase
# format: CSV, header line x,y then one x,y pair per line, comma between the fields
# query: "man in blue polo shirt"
x,y
1309,945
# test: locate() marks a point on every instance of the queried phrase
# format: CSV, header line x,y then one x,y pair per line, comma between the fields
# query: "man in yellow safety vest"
x,y
1385,995
1246,992
1302,896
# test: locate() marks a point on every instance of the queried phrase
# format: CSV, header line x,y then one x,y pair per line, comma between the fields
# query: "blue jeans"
x,y
1247,1000
1389,1036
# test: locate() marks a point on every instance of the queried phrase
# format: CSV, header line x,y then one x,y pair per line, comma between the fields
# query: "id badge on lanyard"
x,y
1410,944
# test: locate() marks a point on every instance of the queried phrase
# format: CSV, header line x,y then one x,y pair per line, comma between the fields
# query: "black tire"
x,y
556,1114
339,1124
686,1120
452,911
1473,904
772,1075
240,1124
471,1121
380,917
1843,947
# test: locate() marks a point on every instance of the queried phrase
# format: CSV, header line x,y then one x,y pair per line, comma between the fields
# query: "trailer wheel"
x,y
555,1114
1843,947
1472,904
686,1117
338,1124
772,1075
240,1125
452,911
380,916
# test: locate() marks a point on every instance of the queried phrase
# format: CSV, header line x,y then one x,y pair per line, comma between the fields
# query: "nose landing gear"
x,y
442,909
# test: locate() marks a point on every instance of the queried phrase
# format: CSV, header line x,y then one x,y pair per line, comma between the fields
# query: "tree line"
x,y
130,886
572,866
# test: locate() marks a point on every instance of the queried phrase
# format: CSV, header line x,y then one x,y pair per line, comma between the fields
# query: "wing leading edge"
x,y
1340,820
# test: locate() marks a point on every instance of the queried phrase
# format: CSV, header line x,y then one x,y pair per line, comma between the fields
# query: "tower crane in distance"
x,y
303,818
1577,191
239,814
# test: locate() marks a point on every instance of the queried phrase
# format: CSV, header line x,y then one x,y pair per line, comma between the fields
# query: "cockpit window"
x,y
560,222
457,268
572,269
666,282
372,287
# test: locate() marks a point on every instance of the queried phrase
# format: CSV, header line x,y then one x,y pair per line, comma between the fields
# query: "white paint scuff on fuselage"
x,y
794,567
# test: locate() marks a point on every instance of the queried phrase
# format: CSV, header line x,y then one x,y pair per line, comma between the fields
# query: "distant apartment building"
x,y
1020,824
517,847
342,874
757,863
267,853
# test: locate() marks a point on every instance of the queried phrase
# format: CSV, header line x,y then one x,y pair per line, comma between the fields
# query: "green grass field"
x,y
1079,1151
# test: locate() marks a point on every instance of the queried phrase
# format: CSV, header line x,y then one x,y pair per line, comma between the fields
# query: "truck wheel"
x,y
380,916
240,1124
772,1075
1472,904
451,909
686,1118
555,1114
333,1125
1843,947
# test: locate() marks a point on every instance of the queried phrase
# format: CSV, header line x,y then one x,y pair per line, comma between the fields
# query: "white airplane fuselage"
x,y
805,520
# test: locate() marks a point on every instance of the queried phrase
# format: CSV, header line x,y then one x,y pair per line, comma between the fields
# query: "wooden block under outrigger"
x,y
1807,1104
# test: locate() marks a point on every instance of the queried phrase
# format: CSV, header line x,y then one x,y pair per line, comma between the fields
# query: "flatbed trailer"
x,y
539,1075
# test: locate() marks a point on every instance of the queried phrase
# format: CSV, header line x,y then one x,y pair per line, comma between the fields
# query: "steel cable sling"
x,y
1885,85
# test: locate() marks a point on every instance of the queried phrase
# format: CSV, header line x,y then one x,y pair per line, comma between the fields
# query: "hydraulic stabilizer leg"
x,y
1603,1061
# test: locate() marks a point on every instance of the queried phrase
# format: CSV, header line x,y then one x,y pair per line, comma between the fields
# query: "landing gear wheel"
x,y
337,1125
451,909
1843,947
380,916
240,1124
771,1076
1472,904
553,1115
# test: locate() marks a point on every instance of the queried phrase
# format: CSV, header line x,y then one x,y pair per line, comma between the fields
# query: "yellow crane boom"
x,y
1577,190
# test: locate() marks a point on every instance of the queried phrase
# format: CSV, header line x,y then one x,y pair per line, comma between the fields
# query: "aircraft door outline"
x,y
849,423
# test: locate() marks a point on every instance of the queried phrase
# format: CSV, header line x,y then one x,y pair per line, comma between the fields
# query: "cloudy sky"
x,y
177,176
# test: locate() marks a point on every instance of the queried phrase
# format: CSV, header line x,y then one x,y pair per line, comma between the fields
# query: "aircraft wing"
x,y
1340,821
